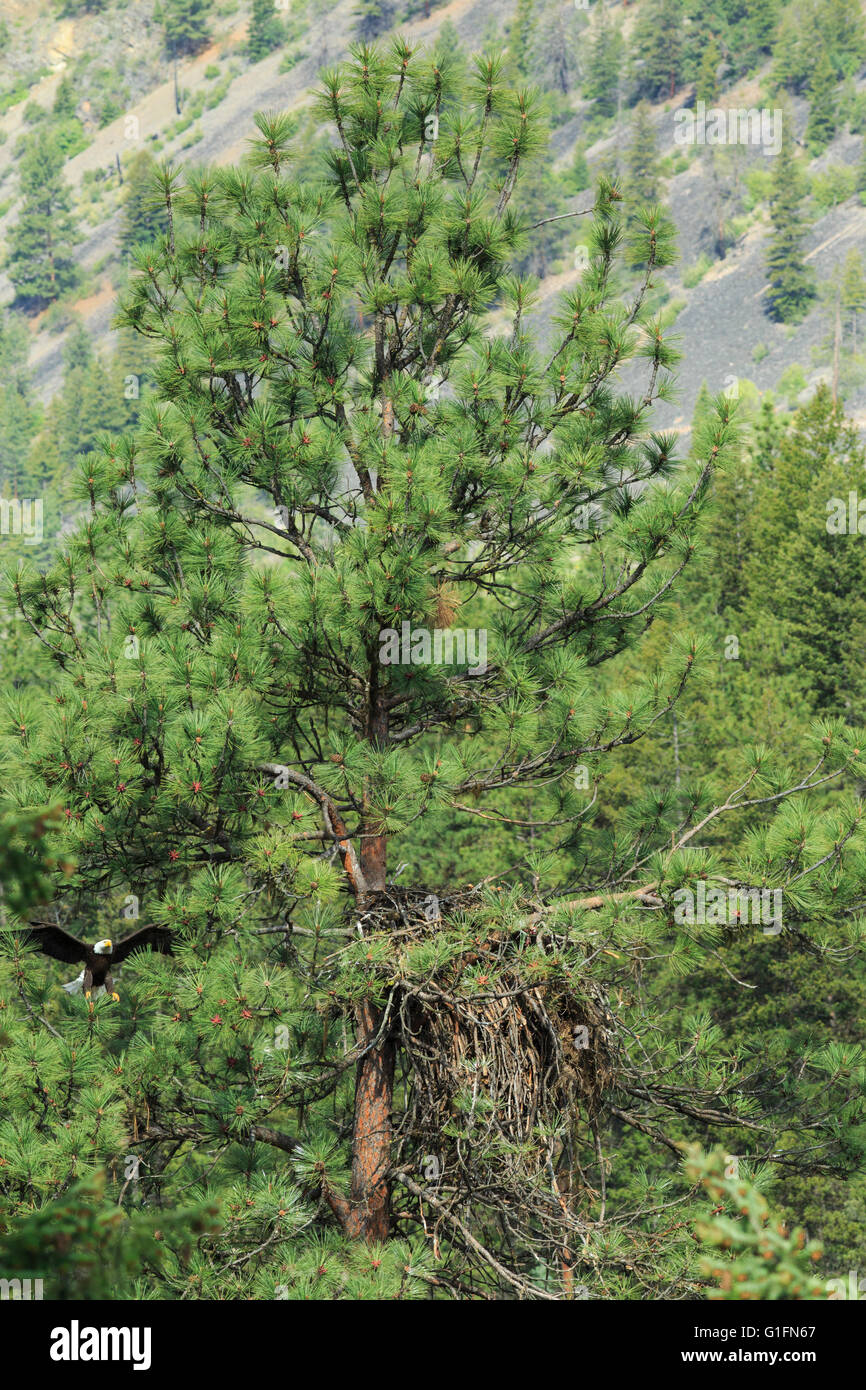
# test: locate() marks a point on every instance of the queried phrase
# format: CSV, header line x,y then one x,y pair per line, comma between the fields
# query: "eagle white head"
x,y
103,948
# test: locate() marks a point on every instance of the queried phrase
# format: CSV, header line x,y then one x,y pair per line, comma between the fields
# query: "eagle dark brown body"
x,y
96,976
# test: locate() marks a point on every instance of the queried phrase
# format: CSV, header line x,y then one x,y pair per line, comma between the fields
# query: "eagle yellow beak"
x,y
108,943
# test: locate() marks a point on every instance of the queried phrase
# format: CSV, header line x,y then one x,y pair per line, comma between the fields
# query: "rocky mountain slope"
x,y
720,319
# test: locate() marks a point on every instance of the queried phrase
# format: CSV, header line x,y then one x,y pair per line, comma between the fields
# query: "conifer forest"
x,y
433,667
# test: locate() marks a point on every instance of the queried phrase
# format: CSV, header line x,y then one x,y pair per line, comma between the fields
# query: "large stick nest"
x,y
489,1054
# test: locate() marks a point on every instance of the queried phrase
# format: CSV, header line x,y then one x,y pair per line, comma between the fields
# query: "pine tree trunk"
x,y
369,1217
370,1214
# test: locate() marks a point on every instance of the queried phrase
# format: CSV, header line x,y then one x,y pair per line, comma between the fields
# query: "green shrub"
x,y
833,185
694,274
792,382
759,182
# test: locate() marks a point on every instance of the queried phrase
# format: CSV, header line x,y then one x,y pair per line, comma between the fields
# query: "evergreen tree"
x,y
143,217
520,39
642,157
244,739
793,52
821,125
19,412
578,176
707,85
844,298
791,283
758,29
186,25
703,411
65,101
266,30
39,264
726,169
555,46
853,292
539,198
448,43
843,36
603,67
90,402
642,178
657,51
449,54
66,128
766,433
813,577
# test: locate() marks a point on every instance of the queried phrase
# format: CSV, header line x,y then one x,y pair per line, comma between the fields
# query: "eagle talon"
x,y
87,994
115,997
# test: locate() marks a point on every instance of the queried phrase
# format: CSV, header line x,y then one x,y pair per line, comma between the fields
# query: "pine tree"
x,y
520,38
89,404
703,410
578,176
821,125
844,298
642,157
813,581
266,30
554,47
603,67
450,56
143,217
843,35
793,52
725,165
40,265
19,412
539,198
853,292
791,283
707,84
186,25
244,740
65,101
642,177
656,52
758,29
448,43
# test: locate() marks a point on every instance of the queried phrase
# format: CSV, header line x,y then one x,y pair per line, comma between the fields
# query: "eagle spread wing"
x,y
55,942
153,938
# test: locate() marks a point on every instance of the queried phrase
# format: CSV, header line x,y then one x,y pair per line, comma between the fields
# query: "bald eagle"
x,y
95,978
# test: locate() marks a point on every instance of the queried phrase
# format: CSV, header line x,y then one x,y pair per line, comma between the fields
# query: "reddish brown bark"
x,y
369,1215
371,1151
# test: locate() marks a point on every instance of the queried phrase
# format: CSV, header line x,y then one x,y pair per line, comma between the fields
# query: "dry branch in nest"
x,y
507,1048
496,1049
502,1064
